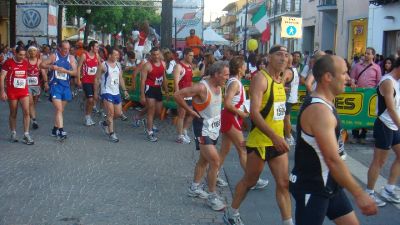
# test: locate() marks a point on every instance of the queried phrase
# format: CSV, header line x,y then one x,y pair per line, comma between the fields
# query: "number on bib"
x,y
61,76
33,81
19,82
159,81
279,110
92,71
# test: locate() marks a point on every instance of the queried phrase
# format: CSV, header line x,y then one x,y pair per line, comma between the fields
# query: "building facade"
x,y
384,27
337,25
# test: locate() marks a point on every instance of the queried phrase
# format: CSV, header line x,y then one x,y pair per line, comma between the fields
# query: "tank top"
x,y
110,79
16,74
381,109
310,173
273,111
33,74
292,96
240,98
210,113
156,75
185,78
58,77
89,69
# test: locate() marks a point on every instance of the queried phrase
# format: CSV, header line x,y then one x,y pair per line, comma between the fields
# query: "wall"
x,y
377,24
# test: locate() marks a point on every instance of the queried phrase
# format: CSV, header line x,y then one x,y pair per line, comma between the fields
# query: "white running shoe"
x,y
390,196
182,140
232,219
377,200
221,182
197,192
215,202
260,184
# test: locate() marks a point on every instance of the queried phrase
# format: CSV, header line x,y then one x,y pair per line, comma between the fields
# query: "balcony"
x,y
227,20
327,5
382,2
284,8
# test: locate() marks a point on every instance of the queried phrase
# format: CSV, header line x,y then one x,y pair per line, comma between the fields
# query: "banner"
x,y
31,19
189,15
356,108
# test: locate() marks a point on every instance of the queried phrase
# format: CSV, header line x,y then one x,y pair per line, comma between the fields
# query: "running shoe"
x,y
221,182
390,196
136,121
104,127
13,136
182,140
232,219
260,184
377,200
89,122
197,192
343,155
113,137
155,129
151,137
54,132
35,125
215,202
61,135
28,140
123,117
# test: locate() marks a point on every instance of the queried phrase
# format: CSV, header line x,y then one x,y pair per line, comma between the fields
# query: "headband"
x,y
277,48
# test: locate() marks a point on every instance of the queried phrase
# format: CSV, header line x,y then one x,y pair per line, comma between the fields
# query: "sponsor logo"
x,y
31,18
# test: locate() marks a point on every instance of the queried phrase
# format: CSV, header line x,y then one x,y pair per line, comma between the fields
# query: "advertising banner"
x,y
189,15
31,20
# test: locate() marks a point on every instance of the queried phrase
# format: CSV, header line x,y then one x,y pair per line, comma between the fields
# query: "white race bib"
x,y
92,71
159,81
214,124
279,110
115,81
19,82
61,76
33,81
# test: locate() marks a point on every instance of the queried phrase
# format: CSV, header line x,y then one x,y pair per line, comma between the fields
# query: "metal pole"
x,y
166,23
245,30
175,33
59,23
13,31
275,12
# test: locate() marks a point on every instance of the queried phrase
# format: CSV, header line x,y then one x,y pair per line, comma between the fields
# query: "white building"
x,y
384,27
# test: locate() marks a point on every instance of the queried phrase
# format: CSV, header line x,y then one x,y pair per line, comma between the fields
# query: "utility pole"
x,y
13,31
166,24
245,29
59,23
275,12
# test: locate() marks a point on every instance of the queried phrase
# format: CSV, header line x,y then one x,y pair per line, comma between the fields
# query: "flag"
x,y
266,34
260,18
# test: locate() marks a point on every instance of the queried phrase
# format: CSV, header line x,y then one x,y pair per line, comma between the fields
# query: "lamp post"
x,y
86,34
245,30
123,34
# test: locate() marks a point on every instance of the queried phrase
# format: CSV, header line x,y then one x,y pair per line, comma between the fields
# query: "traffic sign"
x,y
291,27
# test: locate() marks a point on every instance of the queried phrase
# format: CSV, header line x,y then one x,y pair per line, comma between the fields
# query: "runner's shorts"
x,y
60,92
88,88
385,137
34,90
228,119
153,92
311,209
265,153
114,99
16,95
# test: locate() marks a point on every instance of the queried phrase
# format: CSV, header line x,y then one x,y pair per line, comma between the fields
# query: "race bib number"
x,y
159,81
61,76
214,124
279,110
19,82
115,81
92,71
33,81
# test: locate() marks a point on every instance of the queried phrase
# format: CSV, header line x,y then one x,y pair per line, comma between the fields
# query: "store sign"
x,y
291,27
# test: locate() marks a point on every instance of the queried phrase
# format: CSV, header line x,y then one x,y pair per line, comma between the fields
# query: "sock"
x,y
288,222
234,211
390,187
87,117
212,194
369,191
194,185
185,132
13,132
26,133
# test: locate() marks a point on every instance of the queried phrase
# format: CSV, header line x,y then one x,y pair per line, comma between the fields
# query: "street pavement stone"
x,y
86,179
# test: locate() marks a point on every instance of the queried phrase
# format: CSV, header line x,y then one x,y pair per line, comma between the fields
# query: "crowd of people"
x,y
218,105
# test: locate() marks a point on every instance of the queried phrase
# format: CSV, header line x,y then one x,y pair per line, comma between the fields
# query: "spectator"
x,y
297,61
194,42
169,61
387,65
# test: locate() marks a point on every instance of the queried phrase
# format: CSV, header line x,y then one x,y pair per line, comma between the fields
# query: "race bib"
x,y
159,81
214,124
61,76
115,81
92,71
19,82
33,81
279,110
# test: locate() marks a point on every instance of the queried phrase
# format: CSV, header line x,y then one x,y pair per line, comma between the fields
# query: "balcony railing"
x,y
382,2
327,2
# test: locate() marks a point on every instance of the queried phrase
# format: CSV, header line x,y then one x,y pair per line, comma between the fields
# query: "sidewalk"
x,y
89,180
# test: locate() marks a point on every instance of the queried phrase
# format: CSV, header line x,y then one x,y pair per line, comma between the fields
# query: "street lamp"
x,y
86,34
123,34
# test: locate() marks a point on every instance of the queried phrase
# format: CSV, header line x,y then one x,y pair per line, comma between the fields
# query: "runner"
x,y
152,77
207,99
14,70
183,75
34,84
232,118
62,66
87,68
110,76
387,135
291,86
265,142
319,174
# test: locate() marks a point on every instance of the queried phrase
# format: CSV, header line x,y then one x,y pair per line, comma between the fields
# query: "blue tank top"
x,y
61,78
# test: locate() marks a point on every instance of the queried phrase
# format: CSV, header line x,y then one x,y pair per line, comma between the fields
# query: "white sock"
x,y
390,187
369,191
26,133
194,185
234,211
87,117
14,132
288,222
